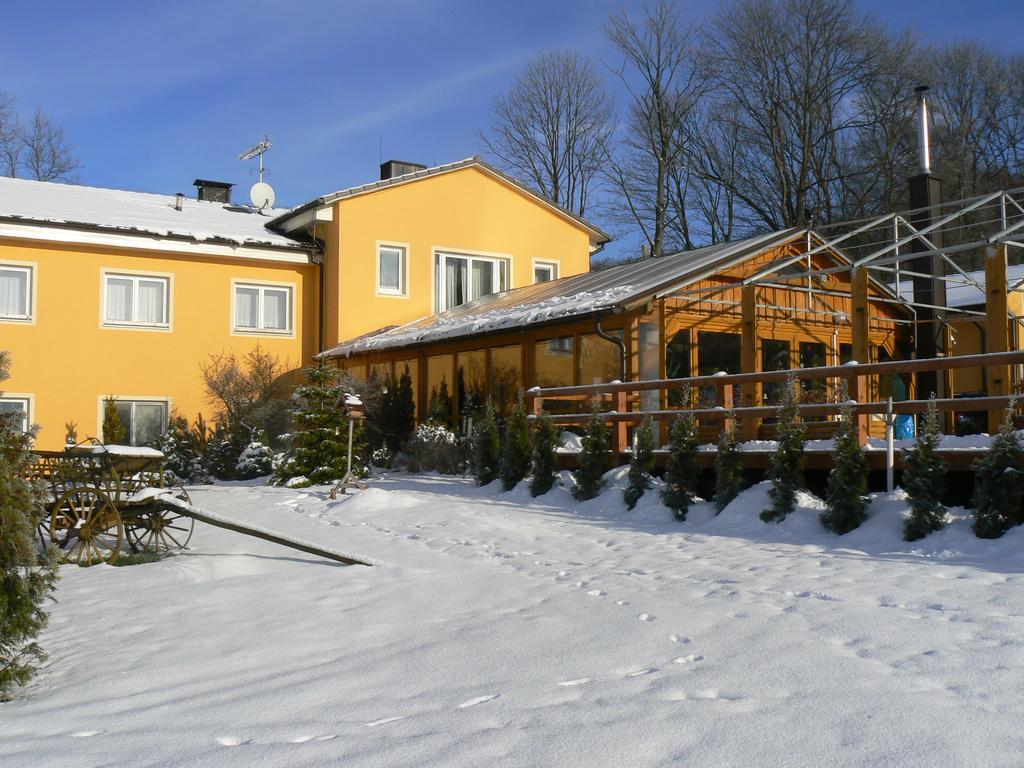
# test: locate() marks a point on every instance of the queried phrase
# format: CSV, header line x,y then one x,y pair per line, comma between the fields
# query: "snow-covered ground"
x,y
500,631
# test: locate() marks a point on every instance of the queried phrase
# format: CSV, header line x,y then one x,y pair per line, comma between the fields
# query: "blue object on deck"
x,y
905,427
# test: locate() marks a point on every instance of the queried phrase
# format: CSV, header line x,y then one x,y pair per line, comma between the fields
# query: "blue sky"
x,y
153,95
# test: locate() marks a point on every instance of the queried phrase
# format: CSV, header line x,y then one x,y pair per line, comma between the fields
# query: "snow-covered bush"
x,y
183,459
641,464
999,484
681,473
256,459
485,446
382,458
544,460
595,458
786,470
318,448
924,479
26,582
728,466
435,448
515,448
222,452
846,504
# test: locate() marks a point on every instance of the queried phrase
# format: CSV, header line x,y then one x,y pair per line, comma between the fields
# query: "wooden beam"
x,y
860,321
749,359
997,327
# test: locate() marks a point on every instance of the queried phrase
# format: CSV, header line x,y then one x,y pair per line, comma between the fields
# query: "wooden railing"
x,y
855,375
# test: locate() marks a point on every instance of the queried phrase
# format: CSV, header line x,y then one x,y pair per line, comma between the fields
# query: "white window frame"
x,y
497,259
262,286
551,266
28,268
403,270
29,402
136,277
134,400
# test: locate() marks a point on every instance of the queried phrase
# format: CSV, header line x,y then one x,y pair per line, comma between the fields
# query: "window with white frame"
x,y
15,409
391,270
460,278
263,308
136,300
544,271
15,292
144,420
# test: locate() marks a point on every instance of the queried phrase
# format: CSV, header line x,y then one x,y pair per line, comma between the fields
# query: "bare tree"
x,y
789,68
46,155
36,149
552,126
664,86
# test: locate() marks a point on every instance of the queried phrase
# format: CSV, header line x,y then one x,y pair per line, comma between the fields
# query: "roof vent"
x,y
213,191
393,168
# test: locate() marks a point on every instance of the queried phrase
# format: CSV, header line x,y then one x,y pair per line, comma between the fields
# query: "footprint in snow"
x,y
85,734
597,593
645,617
679,639
478,700
384,721
692,658
641,672
328,737
577,681
622,602
232,741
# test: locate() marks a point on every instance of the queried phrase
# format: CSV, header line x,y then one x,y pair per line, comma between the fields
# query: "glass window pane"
x,y
812,355
149,422
412,367
124,412
391,269
151,302
717,352
471,382
456,278
553,367
119,300
542,273
15,412
600,359
505,381
247,307
483,278
677,363
439,399
13,292
275,309
774,357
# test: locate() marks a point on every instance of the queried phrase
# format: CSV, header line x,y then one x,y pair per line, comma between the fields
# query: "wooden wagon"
x,y
99,497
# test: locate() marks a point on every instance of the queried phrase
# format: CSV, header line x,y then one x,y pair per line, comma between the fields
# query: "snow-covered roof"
x,y
961,292
604,291
115,210
282,221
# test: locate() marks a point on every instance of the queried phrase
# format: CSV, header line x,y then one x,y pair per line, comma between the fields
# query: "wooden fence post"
x,y
621,428
749,363
724,397
858,387
997,331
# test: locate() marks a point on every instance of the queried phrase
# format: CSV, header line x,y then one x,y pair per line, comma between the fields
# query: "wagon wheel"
x,y
162,530
86,527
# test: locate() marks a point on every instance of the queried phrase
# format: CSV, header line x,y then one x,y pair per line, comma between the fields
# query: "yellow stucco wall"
x,y
67,361
464,211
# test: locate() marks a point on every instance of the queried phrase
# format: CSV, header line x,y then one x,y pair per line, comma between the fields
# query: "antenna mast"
x,y
257,151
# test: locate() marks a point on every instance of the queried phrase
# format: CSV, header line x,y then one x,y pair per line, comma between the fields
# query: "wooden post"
x,y
860,321
997,328
749,359
621,428
725,399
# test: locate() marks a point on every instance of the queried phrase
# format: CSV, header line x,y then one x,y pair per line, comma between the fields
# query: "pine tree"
x,y
256,459
999,484
728,466
114,432
516,448
641,464
319,443
404,419
846,504
595,458
439,409
486,446
786,470
26,581
177,448
924,479
544,464
682,472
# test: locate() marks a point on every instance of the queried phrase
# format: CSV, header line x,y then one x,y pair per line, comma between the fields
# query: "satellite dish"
x,y
262,195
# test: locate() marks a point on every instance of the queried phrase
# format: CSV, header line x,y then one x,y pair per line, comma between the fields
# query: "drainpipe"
x,y
616,341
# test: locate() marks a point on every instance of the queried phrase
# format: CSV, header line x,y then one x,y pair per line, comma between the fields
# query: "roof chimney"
x,y
214,191
179,201
393,168
923,144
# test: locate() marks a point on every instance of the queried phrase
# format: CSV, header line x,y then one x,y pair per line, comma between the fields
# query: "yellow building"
x,y
124,294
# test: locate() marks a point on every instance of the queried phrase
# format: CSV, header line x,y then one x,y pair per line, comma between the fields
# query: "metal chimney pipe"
x,y
923,144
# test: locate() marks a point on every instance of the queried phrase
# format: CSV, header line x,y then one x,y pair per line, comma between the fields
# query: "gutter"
x,y
617,342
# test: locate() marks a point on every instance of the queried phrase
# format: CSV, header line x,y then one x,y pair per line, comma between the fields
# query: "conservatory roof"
x,y
607,291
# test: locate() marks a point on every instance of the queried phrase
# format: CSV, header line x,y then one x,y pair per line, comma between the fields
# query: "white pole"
x,y
890,423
